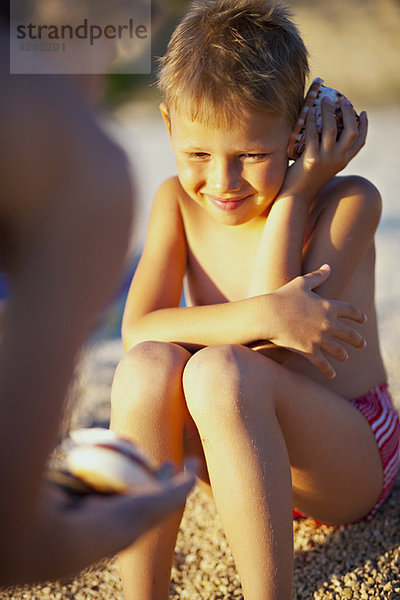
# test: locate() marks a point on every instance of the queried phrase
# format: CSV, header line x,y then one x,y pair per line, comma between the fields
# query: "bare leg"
x,y
255,419
148,407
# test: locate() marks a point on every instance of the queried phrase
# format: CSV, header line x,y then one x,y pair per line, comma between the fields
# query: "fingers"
x,y
350,125
322,364
140,513
101,526
330,343
317,277
331,346
350,335
349,311
312,139
152,506
329,130
108,525
336,350
354,134
360,138
363,128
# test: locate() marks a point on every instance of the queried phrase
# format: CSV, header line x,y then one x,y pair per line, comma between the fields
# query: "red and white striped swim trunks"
x,y
377,407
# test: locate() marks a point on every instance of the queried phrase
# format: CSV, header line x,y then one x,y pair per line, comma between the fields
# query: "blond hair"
x,y
227,55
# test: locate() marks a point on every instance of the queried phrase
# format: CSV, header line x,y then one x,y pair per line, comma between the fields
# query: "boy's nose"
x,y
224,177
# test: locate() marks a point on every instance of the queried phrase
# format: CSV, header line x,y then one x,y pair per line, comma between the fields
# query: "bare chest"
x,y
219,262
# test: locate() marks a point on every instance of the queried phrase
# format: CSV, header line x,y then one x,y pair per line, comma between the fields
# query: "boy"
x,y
242,227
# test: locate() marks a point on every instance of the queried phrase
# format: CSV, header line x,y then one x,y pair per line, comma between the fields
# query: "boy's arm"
x,y
343,234
345,231
280,254
158,280
152,312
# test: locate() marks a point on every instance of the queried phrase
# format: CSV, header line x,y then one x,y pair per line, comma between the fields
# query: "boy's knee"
x,y
147,378
157,360
211,363
213,379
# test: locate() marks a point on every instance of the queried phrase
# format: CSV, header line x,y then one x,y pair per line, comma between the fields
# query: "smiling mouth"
x,y
227,204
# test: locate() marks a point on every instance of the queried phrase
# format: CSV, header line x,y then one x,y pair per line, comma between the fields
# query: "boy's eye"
x,y
198,155
251,156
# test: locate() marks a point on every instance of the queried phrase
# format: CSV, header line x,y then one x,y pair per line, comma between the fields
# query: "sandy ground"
x,y
358,562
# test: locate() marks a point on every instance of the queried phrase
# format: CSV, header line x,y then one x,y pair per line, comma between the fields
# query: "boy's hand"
x,y
308,324
323,159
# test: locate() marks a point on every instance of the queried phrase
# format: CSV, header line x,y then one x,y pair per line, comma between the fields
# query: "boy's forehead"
x,y
253,126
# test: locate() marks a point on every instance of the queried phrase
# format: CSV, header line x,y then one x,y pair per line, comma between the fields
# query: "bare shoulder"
x,y
57,154
24,134
166,218
171,189
60,169
46,121
169,198
349,195
51,136
353,188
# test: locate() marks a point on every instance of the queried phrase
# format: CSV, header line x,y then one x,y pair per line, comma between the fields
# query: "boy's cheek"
x,y
184,178
274,177
189,177
184,169
188,184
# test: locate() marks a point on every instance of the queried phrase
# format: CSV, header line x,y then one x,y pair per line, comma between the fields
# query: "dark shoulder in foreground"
x,y
52,140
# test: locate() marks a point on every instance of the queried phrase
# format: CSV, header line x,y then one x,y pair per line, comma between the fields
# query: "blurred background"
x,y
354,45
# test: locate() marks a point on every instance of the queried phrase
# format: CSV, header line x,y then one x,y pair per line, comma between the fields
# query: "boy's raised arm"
x,y
280,255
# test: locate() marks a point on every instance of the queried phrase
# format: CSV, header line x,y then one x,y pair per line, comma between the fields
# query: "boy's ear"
x,y
165,115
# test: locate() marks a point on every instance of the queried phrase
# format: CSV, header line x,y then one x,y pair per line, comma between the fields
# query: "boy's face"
x,y
233,173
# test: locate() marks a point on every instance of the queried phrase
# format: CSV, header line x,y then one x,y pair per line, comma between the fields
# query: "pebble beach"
x,y
358,562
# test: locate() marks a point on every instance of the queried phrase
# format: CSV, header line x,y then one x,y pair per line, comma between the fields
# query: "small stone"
x,y
46,590
191,558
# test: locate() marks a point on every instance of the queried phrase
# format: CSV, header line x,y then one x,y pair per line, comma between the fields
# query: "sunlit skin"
x,y
233,174
242,227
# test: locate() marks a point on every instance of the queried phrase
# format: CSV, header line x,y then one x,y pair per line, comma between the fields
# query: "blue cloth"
x,y
3,286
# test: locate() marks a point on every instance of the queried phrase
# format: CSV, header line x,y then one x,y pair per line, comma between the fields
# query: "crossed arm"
x,y
291,316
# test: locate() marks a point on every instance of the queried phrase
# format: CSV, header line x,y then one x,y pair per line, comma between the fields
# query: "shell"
x,y
109,464
107,470
314,97
99,436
